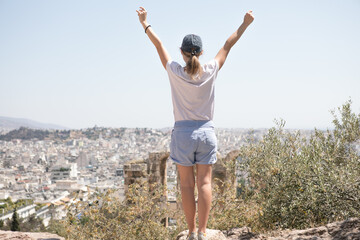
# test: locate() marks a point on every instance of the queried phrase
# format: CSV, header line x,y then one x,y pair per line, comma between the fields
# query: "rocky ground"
x,y
345,230
8,235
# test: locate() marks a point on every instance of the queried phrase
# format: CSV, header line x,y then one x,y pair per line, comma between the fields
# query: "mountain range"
x,y
9,123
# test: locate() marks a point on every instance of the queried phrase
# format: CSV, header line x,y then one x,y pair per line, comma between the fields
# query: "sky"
x,y
81,63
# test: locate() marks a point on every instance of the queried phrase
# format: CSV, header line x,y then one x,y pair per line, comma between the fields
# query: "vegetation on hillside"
x,y
7,205
25,133
291,182
30,224
299,182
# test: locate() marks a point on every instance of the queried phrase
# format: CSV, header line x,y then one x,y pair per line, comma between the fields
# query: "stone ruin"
x,y
154,170
224,174
151,170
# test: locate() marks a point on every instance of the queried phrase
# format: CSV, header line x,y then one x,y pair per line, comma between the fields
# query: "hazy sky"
x,y
80,63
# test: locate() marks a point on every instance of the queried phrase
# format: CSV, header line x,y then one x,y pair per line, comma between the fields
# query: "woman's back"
x,y
193,97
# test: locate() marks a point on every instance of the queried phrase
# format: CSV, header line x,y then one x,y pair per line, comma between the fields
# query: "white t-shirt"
x,y
193,99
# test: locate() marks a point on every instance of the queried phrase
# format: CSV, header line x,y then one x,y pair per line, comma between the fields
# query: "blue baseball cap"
x,y
192,44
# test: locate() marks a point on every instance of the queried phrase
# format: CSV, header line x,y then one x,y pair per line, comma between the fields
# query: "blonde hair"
x,y
193,65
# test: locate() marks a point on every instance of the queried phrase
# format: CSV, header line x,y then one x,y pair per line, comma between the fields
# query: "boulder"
x,y
9,235
343,230
243,233
211,234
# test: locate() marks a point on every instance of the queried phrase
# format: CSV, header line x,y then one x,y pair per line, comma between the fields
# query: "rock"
x,y
211,234
9,235
344,230
348,229
310,233
243,233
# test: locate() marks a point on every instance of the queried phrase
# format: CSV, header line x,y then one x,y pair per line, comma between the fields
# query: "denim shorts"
x,y
193,142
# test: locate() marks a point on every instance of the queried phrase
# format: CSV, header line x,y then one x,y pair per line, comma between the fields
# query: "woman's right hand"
x,y
248,18
142,14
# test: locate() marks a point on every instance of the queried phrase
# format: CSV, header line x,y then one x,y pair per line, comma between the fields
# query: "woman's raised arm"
x,y
163,54
230,42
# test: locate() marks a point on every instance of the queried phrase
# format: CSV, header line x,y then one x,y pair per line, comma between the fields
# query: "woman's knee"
x,y
203,175
187,184
202,182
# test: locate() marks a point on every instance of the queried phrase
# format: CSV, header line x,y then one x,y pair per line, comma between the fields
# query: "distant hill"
x,y
8,123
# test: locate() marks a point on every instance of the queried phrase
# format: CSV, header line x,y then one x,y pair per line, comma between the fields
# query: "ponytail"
x,y
193,66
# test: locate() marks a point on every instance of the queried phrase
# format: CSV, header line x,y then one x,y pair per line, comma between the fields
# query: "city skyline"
x,y
86,63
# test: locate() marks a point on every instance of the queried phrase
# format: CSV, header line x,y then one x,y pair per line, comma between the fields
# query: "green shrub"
x,y
227,210
301,182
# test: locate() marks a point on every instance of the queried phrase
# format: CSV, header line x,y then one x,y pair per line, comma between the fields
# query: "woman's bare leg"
x,y
187,185
203,182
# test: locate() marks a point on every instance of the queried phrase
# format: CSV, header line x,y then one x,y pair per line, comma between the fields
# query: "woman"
x,y
193,140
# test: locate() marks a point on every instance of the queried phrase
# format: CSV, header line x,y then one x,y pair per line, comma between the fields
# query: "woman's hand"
x,y
248,18
142,14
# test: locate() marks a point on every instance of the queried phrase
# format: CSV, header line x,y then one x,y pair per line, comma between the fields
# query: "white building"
x,y
23,212
67,171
